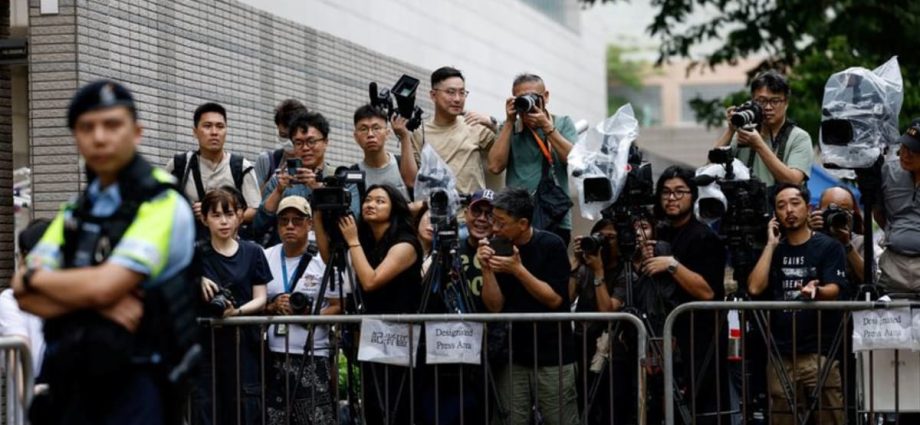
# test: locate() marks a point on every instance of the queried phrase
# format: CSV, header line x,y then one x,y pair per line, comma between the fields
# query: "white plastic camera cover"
x,y
712,192
434,174
603,151
870,101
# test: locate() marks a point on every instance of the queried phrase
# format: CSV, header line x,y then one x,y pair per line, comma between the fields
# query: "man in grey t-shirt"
x,y
380,166
899,215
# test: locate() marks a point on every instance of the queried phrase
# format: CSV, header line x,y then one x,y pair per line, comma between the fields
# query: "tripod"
x,y
333,278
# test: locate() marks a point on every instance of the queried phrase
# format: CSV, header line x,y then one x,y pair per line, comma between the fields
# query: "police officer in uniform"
x,y
109,276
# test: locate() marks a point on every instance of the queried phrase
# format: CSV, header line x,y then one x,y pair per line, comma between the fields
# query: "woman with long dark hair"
x,y
387,258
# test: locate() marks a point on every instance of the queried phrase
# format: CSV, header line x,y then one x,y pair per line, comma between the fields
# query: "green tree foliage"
x,y
626,73
807,39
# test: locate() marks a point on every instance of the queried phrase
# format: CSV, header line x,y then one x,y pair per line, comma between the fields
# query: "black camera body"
x,y
443,221
836,218
592,244
220,303
300,302
334,197
747,116
527,102
404,92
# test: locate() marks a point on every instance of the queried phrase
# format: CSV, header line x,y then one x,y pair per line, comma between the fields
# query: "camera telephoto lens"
x,y
592,244
747,116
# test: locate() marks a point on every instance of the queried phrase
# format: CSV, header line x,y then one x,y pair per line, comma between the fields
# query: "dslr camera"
x,y
747,116
404,93
836,218
527,102
592,244
220,303
300,302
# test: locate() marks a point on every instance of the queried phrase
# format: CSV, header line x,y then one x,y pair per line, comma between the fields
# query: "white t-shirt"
x,y
309,285
15,322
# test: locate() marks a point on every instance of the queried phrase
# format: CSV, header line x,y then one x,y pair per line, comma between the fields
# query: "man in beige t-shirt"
x,y
461,139
214,164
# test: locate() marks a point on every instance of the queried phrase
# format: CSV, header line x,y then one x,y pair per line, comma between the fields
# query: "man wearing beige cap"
x,y
298,272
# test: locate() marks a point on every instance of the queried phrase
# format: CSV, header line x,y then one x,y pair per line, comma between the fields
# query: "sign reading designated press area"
x,y
887,343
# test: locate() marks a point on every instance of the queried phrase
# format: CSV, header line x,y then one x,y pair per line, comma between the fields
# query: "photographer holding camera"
x,y
839,217
595,285
770,144
234,274
380,166
303,173
531,140
387,260
800,264
298,273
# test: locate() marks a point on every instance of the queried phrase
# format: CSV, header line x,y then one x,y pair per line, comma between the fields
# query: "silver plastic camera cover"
x,y
603,152
711,193
859,114
433,174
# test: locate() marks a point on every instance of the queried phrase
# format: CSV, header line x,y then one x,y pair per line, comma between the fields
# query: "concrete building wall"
x,y
6,159
176,55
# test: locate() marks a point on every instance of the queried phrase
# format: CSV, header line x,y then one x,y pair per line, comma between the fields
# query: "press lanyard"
x,y
284,273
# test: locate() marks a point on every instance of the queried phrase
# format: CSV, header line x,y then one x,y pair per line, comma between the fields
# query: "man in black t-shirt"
x,y
804,265
697,265
533,279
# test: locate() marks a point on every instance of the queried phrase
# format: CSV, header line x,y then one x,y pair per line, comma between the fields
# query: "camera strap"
x,y
545,147
778,143
305,260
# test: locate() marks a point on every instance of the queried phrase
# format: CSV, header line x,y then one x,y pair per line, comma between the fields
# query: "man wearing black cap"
x,y
900,216
109,278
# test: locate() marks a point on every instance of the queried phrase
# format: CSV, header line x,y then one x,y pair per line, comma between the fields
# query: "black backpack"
x,y
183,166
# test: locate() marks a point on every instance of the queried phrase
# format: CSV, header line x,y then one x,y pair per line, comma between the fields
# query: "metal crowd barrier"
x,y
884,389
18,379
489,404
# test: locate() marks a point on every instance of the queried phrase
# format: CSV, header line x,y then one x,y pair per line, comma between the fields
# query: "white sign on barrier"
x,y
387,342
883,329
453,342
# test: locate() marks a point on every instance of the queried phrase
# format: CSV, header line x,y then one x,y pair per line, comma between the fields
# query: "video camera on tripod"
x,y
728,192
404,93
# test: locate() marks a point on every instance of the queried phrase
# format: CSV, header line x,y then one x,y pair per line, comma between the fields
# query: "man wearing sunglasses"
x,y
777,151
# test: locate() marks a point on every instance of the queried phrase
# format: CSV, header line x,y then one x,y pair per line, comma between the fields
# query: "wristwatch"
x,y
672,267
598,281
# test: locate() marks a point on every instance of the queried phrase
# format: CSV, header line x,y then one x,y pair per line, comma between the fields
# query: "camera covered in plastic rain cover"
x,y
598,163
712,203
435,176
859,114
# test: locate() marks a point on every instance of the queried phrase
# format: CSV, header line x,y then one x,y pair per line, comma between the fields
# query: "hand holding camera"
x,y
281,305
532,110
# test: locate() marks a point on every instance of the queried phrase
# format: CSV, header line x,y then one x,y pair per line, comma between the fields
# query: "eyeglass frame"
x,y
464,93
677,194
774,102
307,143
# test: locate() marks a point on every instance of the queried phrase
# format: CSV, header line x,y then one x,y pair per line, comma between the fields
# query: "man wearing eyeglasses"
x,y
899,215
697,264
461,138
297,270
529,142
380,166
309,133
778,151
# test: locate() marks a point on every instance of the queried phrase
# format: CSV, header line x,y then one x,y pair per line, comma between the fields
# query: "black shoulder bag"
x,y
550,201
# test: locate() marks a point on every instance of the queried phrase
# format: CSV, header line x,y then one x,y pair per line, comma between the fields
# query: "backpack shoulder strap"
x,y
236,170
180,168
195,168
